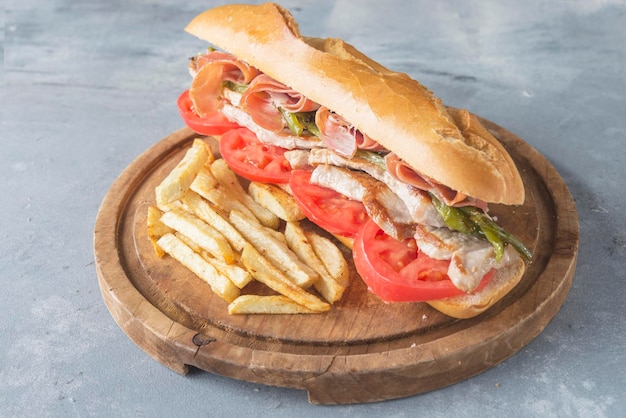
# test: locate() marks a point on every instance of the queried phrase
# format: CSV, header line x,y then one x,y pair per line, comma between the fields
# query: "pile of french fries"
x,y
229,236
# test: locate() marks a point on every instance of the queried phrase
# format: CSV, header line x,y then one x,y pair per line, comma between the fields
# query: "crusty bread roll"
x,y
450,147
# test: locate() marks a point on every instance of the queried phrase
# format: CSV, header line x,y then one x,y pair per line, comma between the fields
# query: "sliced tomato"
x,y
325,207
212,124
252,159
397,271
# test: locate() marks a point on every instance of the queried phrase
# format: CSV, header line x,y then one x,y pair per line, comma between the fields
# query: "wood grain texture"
x,y
363,350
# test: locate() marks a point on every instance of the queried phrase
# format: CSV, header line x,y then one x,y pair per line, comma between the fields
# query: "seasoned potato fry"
x,y
257,224
276,200
217,195
177,182
203,210
235,272
201,233
274,304
264,239
229,236
227,178
156,228
326,285
265,272
205,180
331,256
220,284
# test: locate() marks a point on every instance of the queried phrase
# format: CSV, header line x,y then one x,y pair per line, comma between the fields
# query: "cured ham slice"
x,y
210,71
405,173
341,136
265,97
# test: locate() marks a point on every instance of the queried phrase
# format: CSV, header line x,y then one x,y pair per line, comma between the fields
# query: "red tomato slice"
x,y
325,207
213,124
252,159
397,271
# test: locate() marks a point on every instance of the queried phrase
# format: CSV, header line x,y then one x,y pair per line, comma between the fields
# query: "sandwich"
x,y
369,154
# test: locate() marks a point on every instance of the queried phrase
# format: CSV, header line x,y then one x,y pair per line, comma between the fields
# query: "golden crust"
x,y
447,145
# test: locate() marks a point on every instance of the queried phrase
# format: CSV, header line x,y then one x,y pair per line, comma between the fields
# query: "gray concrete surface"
x,y
88,85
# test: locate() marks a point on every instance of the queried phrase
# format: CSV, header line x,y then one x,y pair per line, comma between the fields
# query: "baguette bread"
x,y
447,145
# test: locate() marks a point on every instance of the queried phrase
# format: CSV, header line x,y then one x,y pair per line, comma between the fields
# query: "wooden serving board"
x,y
362,350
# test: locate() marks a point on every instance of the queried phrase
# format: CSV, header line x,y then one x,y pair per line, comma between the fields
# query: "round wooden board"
x,y
362,350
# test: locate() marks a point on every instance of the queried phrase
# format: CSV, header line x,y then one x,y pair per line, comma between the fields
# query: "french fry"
x,y
228,237
229,180
156,228
331,256
265,272
249,217
207,186
264,239
205,180
201,233
276,200
274,304
235,272
220,284
177,182
326,285
194,203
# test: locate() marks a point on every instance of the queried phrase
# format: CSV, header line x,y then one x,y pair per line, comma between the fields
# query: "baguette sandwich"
x,y
369,154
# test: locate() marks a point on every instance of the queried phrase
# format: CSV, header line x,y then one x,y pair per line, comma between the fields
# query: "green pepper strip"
x,y
454,218
236,87
308,119
472,221
485,222
299,121
489,229
371,157
292,122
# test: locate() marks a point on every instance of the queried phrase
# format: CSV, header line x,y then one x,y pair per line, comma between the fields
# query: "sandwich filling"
x,y
446,224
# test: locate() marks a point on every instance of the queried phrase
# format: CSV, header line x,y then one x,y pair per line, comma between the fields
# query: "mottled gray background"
x,y
89,85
